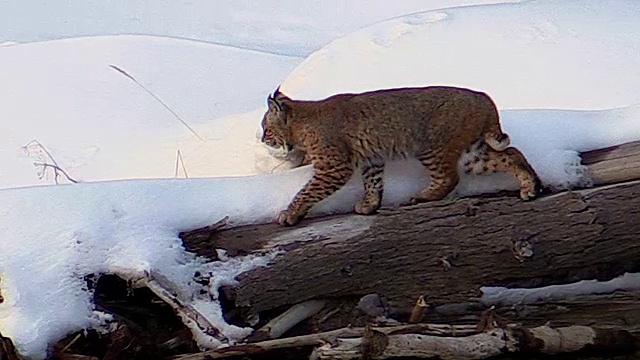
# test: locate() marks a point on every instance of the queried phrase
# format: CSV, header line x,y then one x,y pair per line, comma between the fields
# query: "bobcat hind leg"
x,y
487,160
444,177
494,136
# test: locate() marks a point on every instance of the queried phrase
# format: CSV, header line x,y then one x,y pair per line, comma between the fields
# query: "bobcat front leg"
x,y
373,188
326,180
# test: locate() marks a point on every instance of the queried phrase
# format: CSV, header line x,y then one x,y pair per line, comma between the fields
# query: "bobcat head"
x,y
276,133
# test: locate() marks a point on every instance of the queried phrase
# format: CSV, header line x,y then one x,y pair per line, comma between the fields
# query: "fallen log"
x,y
438,341
446,251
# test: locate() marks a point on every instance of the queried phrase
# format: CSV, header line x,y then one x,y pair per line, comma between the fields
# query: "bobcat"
x,y
435,124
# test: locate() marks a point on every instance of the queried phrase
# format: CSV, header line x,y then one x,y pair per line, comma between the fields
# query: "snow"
x,y
505,297
286,28
564,74
67,231
100,125
536,54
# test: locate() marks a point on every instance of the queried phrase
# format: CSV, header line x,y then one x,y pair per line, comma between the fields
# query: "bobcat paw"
x,y
527,194
289,218
531,190
366,207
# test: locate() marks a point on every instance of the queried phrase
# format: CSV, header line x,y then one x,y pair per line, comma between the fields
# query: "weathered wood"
x,y
329,336
494,342
614,164
287,320
438,341
401,253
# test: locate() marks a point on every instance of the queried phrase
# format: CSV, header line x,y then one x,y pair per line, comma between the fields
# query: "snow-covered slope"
x,y
282,27
100,125
571,54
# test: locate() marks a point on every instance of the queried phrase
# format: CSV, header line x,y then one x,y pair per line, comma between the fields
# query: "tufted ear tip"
x,y
277,100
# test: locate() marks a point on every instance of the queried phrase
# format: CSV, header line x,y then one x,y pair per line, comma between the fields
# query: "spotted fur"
x,y
436,125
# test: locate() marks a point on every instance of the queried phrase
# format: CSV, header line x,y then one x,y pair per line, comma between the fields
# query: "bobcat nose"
x,y
265,132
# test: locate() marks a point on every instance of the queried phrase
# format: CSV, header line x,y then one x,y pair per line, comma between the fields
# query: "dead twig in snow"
x,y
180,161
157,99
45,161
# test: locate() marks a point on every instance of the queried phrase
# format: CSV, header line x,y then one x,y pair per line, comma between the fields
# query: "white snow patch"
x,y
504,296
54,235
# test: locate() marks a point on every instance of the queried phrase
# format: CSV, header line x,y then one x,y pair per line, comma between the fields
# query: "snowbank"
x,y
572,54
284,27
100,125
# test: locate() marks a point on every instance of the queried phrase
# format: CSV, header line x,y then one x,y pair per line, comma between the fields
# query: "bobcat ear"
x,y
278,95
274,105
278,105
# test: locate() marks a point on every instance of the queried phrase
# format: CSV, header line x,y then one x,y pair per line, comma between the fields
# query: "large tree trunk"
x,y
446,250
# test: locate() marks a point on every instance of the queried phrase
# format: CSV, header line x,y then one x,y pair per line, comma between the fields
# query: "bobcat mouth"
x,y
277,145
280,149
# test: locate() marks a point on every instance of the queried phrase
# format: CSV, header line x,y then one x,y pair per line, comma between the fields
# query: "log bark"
x,y
445,250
